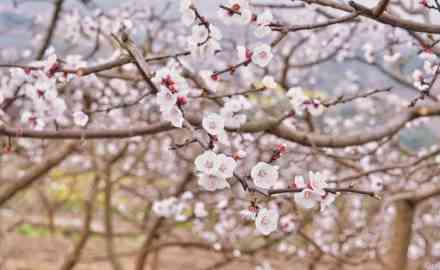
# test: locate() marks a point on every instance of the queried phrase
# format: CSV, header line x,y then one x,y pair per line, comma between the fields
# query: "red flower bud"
x,y
182,100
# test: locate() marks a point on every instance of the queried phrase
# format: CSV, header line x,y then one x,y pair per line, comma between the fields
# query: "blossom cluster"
x,y
40,86
179,208
421,77
313,191
205,37
301,102
213,170
173,91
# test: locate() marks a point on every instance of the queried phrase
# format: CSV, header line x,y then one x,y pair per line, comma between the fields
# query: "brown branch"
x,y
84,71
53,25
341,99
343,19
139,60
156,225
72,259
37,171
380,7
383,18
271,125
108,211
427,92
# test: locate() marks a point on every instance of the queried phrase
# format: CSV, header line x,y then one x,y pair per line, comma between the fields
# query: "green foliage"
x,y
32,231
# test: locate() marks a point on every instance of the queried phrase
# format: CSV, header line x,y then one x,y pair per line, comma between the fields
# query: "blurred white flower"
x,y
199,34
264,266
318,182
244,54
212,82
307,198
266,221
174,115
166,100
166,207
231,109
213,123
301,102
199,210
32,120
269,82
80,118
368,52
239,12
263,21
297,98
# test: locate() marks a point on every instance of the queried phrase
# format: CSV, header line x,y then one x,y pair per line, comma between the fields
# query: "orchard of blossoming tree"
x,y
290,134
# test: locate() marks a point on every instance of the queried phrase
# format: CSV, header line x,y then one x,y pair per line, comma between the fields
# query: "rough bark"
x,y
400,236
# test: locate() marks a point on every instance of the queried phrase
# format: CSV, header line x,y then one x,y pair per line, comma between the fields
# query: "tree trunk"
x,y
400,236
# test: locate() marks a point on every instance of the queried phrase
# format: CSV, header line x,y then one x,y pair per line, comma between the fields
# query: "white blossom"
x,y
213,123
267,221
165,208
188,15
80,118
313,191
33,120
314,107
269,82
212,182
263,21
287,223
241,15
208,162
174,115
212,84
243,53
264,175
199,210
214,169
262,55
307,198
166,100
318,182
301,102
231,111
226,166
327,200
199,34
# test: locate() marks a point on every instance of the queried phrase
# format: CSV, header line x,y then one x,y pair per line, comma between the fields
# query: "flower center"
x,y
263,55
307,195
209,164
262,173
236,7
169,83
40,93
248,54
264,221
